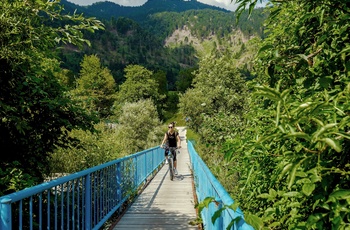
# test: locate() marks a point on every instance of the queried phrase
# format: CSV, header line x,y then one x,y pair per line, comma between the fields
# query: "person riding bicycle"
x,y
173,139
167,144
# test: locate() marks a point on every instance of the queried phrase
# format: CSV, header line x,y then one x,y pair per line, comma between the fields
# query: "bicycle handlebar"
x,y
167,147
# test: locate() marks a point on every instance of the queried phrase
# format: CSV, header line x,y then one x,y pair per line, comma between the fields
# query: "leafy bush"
x,y
292,161
138,129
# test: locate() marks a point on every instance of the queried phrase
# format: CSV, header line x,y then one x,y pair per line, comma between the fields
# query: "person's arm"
x,y
178,141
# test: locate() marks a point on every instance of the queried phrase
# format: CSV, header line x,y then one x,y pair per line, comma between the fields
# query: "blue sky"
x,y
226,4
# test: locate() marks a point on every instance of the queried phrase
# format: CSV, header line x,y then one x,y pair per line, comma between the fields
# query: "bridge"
x,y
134,192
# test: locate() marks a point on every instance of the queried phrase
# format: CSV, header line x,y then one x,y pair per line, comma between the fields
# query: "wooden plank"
x,y
165,204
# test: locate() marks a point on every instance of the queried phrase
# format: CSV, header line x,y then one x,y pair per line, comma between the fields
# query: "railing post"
x,y
119,182
145,171
6,216
88,202
136,172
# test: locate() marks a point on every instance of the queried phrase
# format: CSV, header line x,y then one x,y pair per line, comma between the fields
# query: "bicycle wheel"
x,y
171,168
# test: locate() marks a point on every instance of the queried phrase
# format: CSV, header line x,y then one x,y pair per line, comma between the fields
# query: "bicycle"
x,y
170,156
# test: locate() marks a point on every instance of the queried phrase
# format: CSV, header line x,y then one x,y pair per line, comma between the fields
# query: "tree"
x,y
139,84
219,90
95,87
138,126
35,111
185,79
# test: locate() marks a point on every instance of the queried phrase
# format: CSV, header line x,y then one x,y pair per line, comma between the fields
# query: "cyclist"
x,y
167,144
173,139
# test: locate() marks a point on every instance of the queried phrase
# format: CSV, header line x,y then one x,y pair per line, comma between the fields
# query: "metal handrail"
x,y
82,200
208,186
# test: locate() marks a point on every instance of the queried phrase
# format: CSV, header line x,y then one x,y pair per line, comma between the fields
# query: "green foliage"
x,y
139,84
13,177
138,127
217,100
34,108
91,150
95,88
292,158
185,79
210,201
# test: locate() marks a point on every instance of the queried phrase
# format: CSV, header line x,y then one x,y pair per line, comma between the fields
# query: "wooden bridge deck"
x,y
165,204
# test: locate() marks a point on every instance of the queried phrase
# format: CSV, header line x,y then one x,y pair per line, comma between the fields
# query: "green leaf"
x,y
286,169
299,135
304,57
205,203
235,220
342,134
323,129
262,49
251,7
345,50
305,105
292,194
254,221
264,196
333,144
292,175
321,17
216,215
341,194
313,175
269,92
234,206
278,113
272,193
314,218
308,188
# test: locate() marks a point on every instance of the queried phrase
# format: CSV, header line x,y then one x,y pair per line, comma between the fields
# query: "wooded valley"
x,y
267,99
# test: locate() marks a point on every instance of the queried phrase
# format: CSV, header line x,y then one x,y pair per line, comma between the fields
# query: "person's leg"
x,y
175,163
165,155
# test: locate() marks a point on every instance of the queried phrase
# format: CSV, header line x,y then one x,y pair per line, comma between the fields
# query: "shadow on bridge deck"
x,y
165,204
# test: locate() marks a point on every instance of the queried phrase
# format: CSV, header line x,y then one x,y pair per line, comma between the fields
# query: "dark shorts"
x,y
166,154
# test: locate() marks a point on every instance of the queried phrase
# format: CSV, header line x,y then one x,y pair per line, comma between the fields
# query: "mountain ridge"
x,y
107,10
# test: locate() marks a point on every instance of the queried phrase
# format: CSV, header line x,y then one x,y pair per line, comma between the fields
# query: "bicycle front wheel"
x,y
171,168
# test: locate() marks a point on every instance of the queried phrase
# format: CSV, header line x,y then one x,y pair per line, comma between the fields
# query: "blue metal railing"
x,y
83,200
208,186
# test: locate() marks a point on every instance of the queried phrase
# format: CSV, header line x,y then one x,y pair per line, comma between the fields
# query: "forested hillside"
x,y
125,41
267,106
108,10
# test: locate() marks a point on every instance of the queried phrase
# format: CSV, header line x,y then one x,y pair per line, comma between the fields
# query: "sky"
x,y
226,4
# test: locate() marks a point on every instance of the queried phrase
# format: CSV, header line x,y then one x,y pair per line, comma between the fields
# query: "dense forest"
x,y
107,10
125,41
267,99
